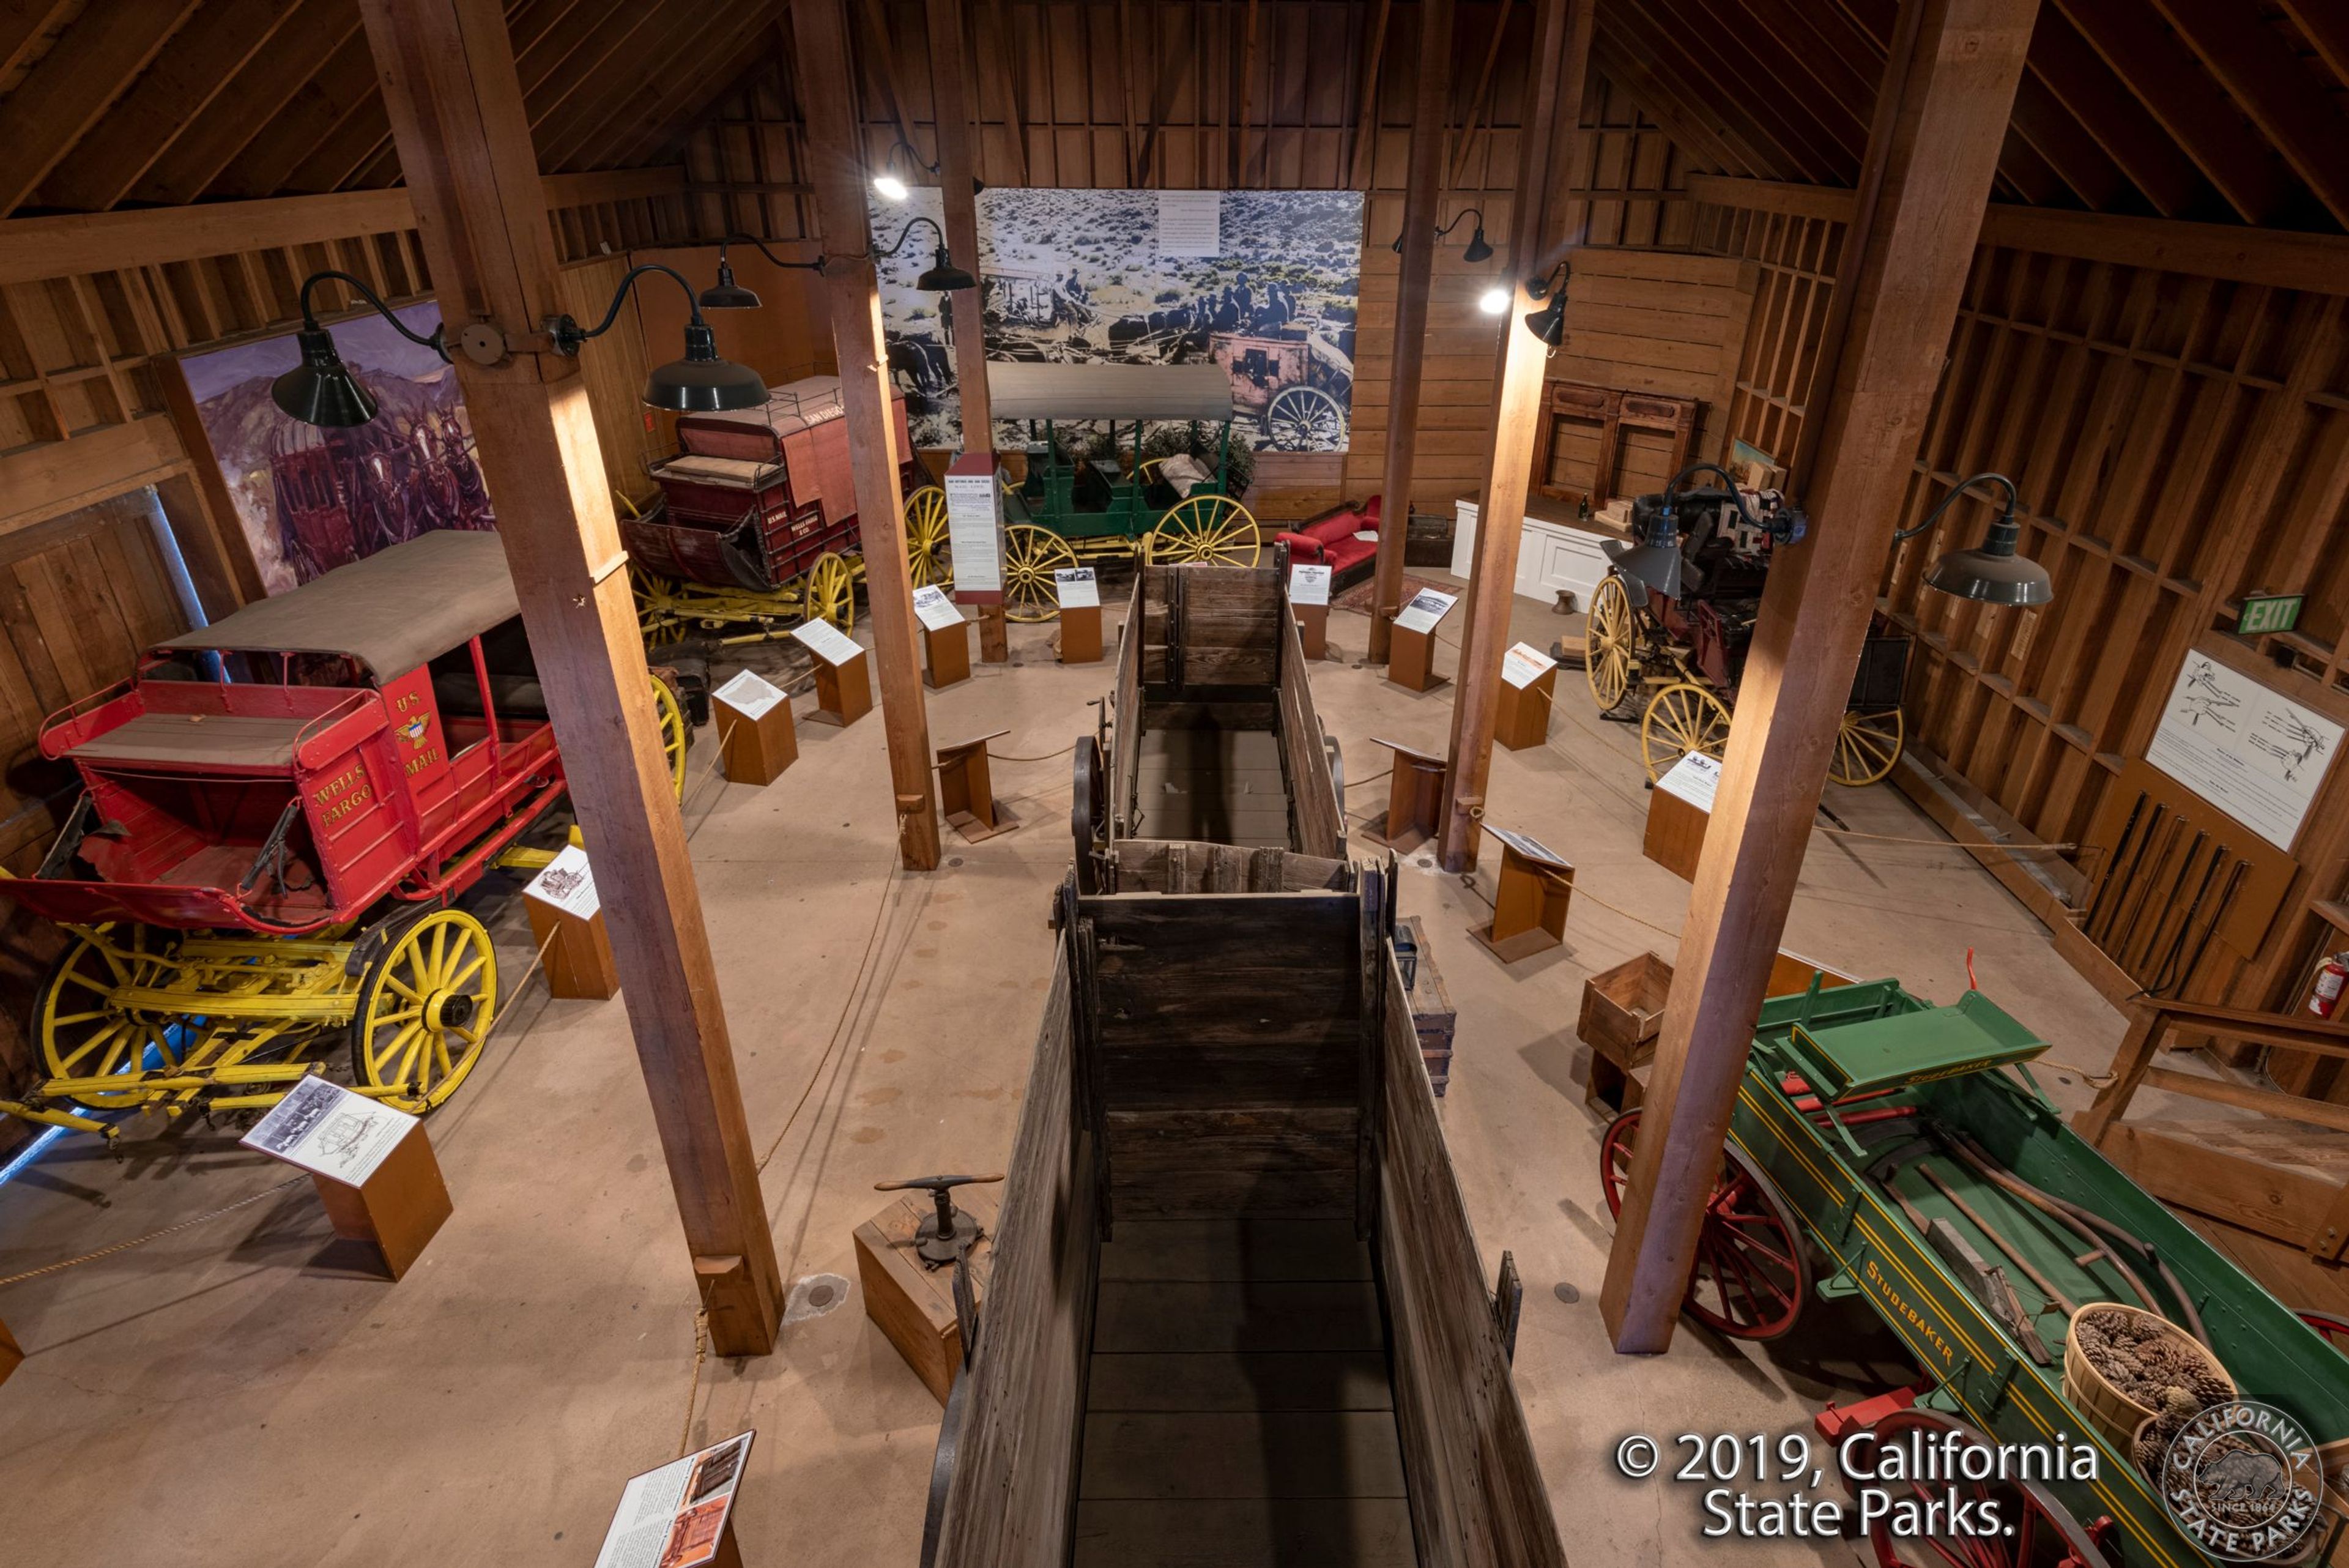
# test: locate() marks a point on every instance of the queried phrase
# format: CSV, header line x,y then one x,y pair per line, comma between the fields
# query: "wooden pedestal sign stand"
x,y
1528,679
756,738
1309,602
1529,897
12,1354
372,1164
1679,808
1411,653
682,1514
945,638
967,793
844,676
566,920
1080,627
1413,798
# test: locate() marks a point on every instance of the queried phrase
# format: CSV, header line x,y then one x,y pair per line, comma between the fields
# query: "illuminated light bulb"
x,y
1493,301
890,186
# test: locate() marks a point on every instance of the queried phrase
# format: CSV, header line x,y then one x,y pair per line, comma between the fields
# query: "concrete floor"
x,y
220,1396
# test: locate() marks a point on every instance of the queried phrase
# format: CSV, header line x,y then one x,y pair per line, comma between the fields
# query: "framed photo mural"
x,y
1265,283
309,500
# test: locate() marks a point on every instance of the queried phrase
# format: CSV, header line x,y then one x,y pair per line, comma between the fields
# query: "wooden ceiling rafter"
x,y
2259,72
692,64
1665,35
341,89
2325,25
2079,78
1833,123
65,92
184,79
2192,107
666,32
669,137
1695,122
246,106
23,26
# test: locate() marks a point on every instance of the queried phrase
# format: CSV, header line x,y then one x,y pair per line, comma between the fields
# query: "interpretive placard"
x,y
827,642
674,1517
749,694
326,1130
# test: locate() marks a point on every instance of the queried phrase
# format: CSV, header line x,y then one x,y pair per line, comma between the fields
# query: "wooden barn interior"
x,y
1533,562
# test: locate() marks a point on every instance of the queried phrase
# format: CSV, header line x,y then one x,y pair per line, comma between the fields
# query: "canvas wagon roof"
x,y
392,611
1026,391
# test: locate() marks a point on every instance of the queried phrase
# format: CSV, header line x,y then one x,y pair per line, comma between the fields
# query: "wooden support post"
x,y
1561,61
827,80
12,1354
1952,115
967,790
1414,800
458,119
1430,111
951,96
995,635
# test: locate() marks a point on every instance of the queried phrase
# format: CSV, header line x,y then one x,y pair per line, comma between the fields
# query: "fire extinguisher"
x,y
2325,994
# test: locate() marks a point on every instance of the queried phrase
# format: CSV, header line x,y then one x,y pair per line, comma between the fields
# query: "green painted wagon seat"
x,y
1915,1044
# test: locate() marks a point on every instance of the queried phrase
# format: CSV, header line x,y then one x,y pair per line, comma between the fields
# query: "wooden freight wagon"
x,y
1237,1314
1210,735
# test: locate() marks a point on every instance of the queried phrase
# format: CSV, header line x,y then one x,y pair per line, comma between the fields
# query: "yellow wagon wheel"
x,y
84,1033
676,734
1207,531
929,560
658,624
424,1010
830,591
1030,556
1608,641
1682,718
1867,747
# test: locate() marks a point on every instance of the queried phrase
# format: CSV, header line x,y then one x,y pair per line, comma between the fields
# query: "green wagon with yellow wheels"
x,y
1890,1152
1088,497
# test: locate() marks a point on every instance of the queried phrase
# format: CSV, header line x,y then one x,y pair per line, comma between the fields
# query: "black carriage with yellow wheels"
x,y
1156,485
1668,626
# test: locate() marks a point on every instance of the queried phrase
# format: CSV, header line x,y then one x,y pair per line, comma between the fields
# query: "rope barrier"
x,y
150,1236
693,1389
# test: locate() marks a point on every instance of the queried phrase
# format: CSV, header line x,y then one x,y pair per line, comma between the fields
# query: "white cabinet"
x,y
1550,556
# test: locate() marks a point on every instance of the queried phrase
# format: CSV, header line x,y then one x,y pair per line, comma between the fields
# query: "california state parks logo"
x,y
2242,1480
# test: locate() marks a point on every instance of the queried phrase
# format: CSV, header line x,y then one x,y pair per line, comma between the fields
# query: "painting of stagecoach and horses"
x,y
311,500
1265,283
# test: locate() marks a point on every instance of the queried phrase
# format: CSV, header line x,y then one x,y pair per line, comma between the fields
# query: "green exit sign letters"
x,y
2270,612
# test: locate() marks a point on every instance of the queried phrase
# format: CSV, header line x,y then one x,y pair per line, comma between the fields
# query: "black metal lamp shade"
x,y
321,389
1479,248
1993,573
945,277
1548,323
726,294
701,382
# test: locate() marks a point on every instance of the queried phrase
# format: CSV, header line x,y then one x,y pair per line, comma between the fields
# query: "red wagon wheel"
x,y
2041,1531
1752,1278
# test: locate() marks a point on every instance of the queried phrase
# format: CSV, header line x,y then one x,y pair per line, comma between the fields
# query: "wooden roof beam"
x,y
2189,106
342,89
2081,81
1792,125
682,85
23,25
1831,121
67,90
754,57
2263,77
1691,123
207,147
1645,39
2055,134
167,98
653,50
2325,25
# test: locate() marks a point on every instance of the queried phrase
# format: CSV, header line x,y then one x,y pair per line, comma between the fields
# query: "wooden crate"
x,y
1432,1013
1622,1010
914,1304
1427,540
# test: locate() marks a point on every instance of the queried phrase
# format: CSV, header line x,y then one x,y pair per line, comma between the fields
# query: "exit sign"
x,y
2273,612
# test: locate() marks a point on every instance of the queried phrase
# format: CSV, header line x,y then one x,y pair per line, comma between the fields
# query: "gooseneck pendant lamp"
x,y
321,390
728,295
943,276
1993,574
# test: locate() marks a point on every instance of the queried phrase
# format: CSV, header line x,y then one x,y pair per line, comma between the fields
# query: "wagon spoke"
x,y
377,1060
68,1060
456,982
64,1019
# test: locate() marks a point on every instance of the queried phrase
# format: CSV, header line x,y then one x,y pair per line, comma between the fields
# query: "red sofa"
x,y
1329,541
